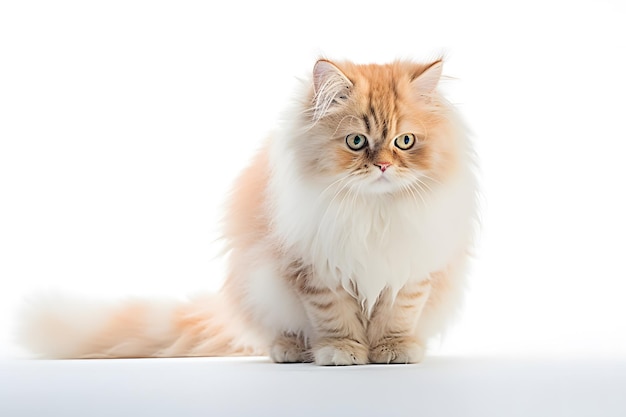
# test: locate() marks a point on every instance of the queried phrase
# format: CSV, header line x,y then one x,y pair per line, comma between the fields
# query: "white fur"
x,y
365,239
269,296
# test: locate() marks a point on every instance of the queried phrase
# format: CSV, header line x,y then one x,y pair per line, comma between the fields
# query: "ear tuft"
x,y
330,85
426,82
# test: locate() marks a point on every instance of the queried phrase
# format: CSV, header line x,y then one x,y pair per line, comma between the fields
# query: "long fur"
x,y
332,259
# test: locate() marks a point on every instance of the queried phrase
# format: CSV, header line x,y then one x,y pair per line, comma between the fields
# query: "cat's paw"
x,y
397,350
338,351
289,348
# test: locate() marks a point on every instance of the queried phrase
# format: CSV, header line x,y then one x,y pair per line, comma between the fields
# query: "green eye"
x,y
356,141
405,141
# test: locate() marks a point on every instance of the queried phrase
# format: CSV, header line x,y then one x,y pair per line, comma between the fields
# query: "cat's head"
x,y
378,129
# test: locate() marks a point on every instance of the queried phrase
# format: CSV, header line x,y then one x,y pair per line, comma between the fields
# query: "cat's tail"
x,y
53,326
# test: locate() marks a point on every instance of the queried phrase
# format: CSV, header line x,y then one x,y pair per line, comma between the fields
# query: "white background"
x,y
123,124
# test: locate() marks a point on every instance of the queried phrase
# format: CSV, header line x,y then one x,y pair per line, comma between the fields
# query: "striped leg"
x,y
339,325
391,331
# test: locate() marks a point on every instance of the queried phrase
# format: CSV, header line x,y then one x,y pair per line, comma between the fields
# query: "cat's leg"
x,y
290,348
392,328
338,324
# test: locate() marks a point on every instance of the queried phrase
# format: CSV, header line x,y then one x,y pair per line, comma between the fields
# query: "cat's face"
x,y
378,128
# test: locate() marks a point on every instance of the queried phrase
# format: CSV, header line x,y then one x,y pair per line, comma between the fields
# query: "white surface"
x,y
442,386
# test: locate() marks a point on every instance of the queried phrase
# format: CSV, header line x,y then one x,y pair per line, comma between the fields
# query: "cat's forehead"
x,y
379,99
377,82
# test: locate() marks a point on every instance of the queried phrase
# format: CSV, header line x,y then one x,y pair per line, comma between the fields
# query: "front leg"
x,y
338,322
392,328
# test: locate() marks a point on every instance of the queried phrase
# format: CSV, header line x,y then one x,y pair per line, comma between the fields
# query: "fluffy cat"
x,y
347,235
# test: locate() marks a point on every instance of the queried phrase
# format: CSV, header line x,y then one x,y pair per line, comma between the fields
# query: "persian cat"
x,y
347,237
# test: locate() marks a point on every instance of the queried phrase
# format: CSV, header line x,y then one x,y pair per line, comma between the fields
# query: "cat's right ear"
x,y
327,76
330,86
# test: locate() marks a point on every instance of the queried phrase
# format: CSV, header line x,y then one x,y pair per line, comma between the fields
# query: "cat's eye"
x,y
405,141
356,141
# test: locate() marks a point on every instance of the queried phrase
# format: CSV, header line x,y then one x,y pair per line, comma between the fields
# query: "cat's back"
x,y
246,220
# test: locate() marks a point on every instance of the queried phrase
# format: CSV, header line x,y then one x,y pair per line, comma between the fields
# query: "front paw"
x,y
338,351
397,350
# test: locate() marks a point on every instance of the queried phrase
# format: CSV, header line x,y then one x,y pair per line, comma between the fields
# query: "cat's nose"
x,y
383,165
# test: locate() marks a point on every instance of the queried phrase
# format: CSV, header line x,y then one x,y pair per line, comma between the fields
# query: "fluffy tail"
x,y
58,327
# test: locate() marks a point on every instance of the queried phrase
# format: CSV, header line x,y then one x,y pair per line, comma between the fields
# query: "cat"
x,y
348,237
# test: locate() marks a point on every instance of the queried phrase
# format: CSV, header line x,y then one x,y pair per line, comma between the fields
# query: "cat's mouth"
x,y
383,179
381,183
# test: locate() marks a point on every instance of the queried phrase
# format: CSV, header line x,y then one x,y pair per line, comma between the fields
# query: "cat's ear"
x,y
326,76
330,86
426,82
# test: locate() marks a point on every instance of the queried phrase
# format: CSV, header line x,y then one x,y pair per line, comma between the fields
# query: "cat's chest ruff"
x,y
371,246
372,242
362,243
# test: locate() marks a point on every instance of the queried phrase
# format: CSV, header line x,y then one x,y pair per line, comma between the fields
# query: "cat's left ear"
x,y
426,82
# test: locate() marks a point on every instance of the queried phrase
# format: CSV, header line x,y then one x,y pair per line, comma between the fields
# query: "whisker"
x,y
351,179
331,184
410,192
350,192
430,178
420,192
419,181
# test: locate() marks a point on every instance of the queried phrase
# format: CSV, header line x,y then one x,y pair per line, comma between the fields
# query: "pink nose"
x,y
383,165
